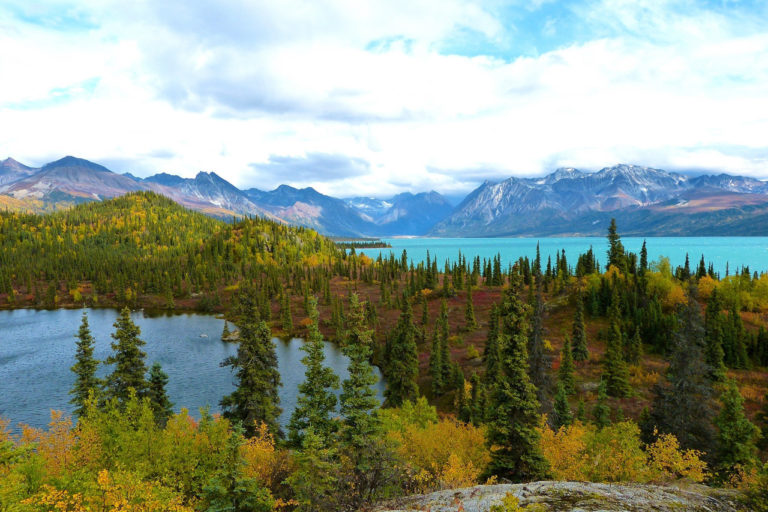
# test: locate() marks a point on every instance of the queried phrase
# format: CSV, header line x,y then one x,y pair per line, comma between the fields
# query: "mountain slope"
x,y
71,179
308,207
570,201
11,170
403,214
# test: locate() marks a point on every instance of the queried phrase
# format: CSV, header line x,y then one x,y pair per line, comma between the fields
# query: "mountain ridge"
x,y
567,201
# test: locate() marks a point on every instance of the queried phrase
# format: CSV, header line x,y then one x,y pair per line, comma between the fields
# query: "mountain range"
x,y
645,201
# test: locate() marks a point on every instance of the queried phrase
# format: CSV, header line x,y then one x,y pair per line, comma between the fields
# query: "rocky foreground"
x,y
575,497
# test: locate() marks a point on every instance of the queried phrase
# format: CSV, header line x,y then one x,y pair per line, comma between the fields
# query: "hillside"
x,y
142,243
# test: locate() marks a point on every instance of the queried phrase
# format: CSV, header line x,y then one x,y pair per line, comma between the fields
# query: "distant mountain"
x,y
404,214
645,201
569,201
308,207
373,207
11,170
71,179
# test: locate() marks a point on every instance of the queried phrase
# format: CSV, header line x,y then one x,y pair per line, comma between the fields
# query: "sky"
x,y
376,97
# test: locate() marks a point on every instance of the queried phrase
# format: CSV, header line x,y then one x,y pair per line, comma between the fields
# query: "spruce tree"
x,y
615,370
225,332
538,360
602,411
128,359
580,350
634,348
561,414
683,404
616,253
581,412
565,372
158,397
470,323
445,354
402,361
358,399
84,369
514,409
736,449
762,422
256,399
316,402
436,363
492,354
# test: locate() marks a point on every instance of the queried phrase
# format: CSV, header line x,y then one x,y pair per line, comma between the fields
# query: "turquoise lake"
x,y
721,251
37,349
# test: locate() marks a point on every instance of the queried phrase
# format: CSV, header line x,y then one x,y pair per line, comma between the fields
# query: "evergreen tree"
x,y
130,369
358,399
445,353
561,414
470,323
616,253
513,414
158,398
683,405
736,435
634,348
256,399
602,412
436,363
538,360
643,260
615,371
402,361
580,350
316,402
491,353
84,369
581,412
762,421
225,333
565,372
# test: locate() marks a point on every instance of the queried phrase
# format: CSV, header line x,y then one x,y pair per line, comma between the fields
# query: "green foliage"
x,y
602,412
402,362
158,398
358,399
229,489
470,323
561,414
565,372
145,243
256,399
316,401
514,407
580,350
615,372
129,360
84,369
682,405
736,450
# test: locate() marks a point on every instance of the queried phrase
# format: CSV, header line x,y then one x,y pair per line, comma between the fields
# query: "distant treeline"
x,y
363,244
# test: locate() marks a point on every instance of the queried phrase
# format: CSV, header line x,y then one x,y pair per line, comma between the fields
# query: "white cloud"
x,y
189,86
